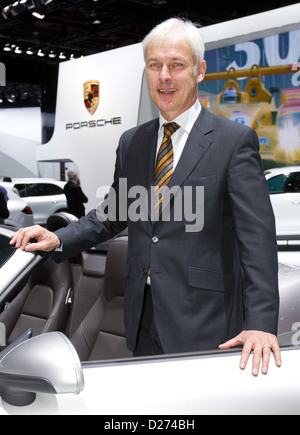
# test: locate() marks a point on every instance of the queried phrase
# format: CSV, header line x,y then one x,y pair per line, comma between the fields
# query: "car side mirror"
x,y
47,363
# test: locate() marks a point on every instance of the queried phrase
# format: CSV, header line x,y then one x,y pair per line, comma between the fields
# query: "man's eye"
x,y
177,66
154,66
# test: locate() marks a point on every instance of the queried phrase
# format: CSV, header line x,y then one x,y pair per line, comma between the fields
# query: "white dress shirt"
x,y
186,121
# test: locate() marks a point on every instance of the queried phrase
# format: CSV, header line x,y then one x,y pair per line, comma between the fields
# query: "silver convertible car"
x,y
63,349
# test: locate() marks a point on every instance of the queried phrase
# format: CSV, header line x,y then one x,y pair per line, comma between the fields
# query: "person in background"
x,y
4,212
75,196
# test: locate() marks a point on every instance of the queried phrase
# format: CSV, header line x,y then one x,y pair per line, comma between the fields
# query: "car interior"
x,y
82,297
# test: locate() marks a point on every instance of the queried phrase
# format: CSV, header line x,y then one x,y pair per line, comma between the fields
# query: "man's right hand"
x,y
46,241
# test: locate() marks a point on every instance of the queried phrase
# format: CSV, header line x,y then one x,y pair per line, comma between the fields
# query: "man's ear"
x,y
202,71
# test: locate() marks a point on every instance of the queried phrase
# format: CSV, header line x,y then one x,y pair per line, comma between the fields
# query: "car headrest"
x,y
60,220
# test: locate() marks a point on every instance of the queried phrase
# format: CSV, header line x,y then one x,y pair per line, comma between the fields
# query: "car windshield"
x,y
5,250
285,183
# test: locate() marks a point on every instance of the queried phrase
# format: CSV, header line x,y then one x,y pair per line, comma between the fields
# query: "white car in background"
x,y
284,189
20,213
44,195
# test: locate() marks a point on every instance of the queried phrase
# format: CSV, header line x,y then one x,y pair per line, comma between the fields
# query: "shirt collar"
x,y
187,119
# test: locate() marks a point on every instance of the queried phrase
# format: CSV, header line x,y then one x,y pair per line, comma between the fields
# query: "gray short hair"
x,y
178,29
72,175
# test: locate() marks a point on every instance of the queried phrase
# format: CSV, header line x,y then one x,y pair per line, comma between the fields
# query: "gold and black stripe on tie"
x,y
164,165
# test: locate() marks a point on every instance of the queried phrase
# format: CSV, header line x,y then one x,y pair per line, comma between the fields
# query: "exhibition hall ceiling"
x,y
36,35
55,30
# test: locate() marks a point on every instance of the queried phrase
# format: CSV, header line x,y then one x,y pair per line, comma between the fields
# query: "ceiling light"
x,y
52,54
11,96
62,56
7,47
6,12
29,51
40,53
18,7
18,50
38,15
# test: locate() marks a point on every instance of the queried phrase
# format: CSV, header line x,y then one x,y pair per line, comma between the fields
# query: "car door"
x,y
171,391
284,192
15,265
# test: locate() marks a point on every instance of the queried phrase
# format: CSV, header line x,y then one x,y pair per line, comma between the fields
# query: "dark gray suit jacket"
x,y
210,285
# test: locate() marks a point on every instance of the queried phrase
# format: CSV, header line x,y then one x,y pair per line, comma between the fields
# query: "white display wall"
x,y
20,132
90,141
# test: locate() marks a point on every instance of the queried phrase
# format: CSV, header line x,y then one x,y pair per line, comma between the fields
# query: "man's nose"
x,y
165,73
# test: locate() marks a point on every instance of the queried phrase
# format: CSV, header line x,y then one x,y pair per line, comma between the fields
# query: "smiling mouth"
x,y
166,91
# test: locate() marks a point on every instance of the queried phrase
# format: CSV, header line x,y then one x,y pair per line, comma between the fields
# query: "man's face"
x,y
172,82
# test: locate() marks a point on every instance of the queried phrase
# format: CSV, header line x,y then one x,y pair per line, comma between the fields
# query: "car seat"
x,y
42,304
101,335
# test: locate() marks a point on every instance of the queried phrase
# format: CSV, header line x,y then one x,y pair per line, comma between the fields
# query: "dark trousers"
x,y
148,342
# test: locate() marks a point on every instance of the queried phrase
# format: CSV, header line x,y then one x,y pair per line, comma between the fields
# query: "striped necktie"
x,y
164,165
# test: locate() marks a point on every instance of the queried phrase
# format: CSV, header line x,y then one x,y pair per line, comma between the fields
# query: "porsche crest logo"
x,y
91,95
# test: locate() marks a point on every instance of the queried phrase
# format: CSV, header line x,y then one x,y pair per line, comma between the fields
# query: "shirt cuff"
x,y
59,249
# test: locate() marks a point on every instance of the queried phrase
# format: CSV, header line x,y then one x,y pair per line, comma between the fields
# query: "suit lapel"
x,y
145,157
196,146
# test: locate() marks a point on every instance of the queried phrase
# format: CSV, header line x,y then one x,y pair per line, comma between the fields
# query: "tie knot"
x,y
170,128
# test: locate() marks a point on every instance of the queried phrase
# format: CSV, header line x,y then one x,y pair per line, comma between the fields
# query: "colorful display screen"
x,y
258,83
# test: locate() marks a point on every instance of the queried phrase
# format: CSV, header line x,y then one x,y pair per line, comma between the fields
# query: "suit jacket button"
x,y
155,239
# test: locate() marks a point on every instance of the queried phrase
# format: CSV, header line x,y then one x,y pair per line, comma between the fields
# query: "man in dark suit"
x,y
75,196
188,288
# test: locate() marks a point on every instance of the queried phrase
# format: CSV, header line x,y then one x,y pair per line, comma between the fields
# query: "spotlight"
x,y
18,50
40,53
7,47
18,7
24,92
6,12
11,96
38,15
